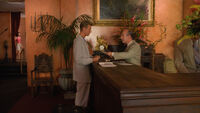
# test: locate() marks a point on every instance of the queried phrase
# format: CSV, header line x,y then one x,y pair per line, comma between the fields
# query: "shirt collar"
x,y
82,38
130,42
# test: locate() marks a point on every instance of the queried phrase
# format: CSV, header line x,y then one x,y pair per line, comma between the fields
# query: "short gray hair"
x,y
131,34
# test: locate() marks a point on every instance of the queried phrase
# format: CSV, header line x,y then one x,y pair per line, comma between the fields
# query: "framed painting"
x,y
111,12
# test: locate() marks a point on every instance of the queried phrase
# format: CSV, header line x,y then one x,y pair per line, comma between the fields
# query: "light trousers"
x,y
82,94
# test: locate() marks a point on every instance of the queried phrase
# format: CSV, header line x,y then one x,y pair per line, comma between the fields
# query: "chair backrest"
x,y
44,63
147,50
146,56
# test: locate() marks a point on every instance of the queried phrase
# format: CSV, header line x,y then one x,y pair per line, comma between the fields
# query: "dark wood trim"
x,y
131,89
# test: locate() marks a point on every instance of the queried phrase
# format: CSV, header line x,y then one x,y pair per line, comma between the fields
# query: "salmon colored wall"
x,y
68,10
167,12
33,48
186,6
5,20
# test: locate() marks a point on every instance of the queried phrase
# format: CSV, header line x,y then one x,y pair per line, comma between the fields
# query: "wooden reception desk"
x,y
133,89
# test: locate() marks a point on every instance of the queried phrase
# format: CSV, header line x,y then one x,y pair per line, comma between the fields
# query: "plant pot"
x,y
65,81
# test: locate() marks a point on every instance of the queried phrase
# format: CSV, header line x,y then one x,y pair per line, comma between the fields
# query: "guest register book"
x,y
107,64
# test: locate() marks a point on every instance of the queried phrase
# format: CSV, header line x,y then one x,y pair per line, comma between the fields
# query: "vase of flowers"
x,y
190,25
101,44
137,26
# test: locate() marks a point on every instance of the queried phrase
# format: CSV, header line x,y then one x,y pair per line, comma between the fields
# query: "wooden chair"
x,y
147,53
152,60
43,64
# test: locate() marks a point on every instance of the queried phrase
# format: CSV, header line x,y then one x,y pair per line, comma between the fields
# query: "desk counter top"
x,y
137,78
138,86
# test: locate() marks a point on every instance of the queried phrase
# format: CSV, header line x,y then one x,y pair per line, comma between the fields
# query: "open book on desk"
x,y
107,64
121,62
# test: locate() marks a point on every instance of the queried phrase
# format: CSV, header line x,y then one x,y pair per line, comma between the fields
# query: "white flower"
x,y
101,47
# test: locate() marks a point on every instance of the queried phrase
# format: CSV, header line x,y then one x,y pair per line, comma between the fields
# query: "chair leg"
x,y
51,89
37,89
32,91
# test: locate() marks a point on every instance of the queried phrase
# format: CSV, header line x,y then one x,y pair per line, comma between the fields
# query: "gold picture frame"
x,y
104,21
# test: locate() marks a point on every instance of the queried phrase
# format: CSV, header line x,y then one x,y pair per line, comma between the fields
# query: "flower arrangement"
x,y
138,28
101,44
135,25
190,25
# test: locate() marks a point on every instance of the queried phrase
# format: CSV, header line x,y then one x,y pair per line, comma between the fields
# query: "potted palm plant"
x,y
59,35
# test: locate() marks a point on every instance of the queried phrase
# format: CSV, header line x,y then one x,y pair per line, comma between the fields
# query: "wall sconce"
x,y
37,23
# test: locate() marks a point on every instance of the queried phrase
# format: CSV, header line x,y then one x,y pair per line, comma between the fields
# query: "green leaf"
x,y
178,26
185,25
187,17
197,13
189,23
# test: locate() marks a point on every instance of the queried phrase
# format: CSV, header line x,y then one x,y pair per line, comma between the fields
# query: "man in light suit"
x,y
187,55
132,53
81,70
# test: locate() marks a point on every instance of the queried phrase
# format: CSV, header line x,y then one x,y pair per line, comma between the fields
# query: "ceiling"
x,y
13,0
12,6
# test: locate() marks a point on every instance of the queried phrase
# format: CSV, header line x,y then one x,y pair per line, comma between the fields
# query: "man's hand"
x,y
109,54
96,58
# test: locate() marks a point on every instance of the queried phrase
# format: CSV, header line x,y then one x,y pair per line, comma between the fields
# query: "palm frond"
x,y
76,23
48,23
59,35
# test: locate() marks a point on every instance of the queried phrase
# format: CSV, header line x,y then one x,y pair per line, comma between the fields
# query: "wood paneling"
x,y
5,20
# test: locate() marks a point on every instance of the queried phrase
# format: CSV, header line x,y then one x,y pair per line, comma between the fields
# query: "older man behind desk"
x,y
132,53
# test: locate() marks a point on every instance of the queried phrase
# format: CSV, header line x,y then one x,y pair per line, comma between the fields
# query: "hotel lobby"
x,y
100,56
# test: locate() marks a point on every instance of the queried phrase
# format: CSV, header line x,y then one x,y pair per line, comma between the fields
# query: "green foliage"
x,y
57,34
138,28
135,24
190,23
101,43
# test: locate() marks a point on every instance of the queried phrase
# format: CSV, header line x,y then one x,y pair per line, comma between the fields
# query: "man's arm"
x,y
79,57
133,52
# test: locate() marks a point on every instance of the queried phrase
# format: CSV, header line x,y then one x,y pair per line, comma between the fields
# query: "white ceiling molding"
x,y
7,6
12,0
